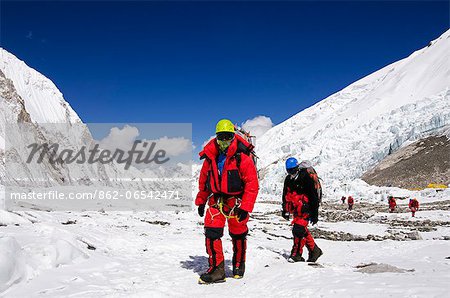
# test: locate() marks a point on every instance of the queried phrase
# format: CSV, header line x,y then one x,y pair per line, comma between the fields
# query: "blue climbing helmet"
x,y
291,163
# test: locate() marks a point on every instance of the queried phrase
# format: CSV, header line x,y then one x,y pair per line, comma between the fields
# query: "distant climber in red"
x,y
413,206
392,204
350,202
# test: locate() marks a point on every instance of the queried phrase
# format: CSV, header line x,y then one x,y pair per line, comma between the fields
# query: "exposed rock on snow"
x,y
416,165
369,222
380,268
333,215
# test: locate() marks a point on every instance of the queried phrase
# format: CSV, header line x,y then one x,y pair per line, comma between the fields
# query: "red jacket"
x,y
236,180
350,201
392,203
414,203
298,205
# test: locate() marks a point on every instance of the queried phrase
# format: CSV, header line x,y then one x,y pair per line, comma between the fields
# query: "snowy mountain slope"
x,y
350,131
43,101
37,91
28,97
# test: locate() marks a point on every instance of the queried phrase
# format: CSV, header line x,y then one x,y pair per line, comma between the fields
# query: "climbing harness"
x,y
222,203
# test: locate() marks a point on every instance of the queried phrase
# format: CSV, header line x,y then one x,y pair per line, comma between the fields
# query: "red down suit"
x,y
236,186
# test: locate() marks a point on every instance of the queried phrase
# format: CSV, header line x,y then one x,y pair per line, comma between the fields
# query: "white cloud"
x,y
120,138
258,125
173,146
125,137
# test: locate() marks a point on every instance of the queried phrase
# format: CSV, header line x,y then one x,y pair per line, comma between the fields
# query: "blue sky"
x,y
197,62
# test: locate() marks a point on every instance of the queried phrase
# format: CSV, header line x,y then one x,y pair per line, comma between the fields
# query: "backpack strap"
x,y
241,147
238,159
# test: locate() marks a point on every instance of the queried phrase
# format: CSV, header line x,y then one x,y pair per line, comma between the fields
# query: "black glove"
x,y
241,214
201,210
285,215
314,218
305,208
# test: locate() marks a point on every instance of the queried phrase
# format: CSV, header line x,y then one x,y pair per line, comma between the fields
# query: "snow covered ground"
x,y
152,254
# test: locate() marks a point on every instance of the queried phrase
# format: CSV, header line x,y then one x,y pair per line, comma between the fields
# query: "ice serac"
x,y
349,132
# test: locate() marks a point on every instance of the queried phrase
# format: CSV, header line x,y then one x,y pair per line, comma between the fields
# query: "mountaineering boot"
x,y
213,275
239,270
314,254
296,258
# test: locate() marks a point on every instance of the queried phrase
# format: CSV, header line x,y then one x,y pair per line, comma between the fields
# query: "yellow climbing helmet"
x,y
224,125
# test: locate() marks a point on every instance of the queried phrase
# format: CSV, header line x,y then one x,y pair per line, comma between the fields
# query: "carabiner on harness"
x,y
221,204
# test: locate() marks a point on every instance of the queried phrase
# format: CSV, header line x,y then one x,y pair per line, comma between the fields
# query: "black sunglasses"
x,y
225,136
292,170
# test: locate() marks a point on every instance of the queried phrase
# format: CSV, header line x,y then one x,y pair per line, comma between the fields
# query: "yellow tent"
x,y
435,185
